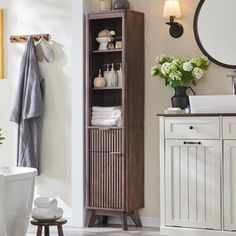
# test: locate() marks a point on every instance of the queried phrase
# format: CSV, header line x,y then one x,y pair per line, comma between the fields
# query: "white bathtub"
x,y
19,198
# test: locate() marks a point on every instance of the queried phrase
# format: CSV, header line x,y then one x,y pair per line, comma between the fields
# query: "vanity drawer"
x,y
229,127
192,127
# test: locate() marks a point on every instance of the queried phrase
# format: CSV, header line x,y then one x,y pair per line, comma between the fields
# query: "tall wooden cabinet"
x,y
115,155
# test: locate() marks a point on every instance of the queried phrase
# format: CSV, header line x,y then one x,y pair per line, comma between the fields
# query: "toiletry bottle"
x,y
99,82
112,79
120,74
106,71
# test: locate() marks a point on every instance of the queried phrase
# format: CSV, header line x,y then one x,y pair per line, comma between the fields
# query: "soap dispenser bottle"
x,y
120,75
106,71
112,78
99,81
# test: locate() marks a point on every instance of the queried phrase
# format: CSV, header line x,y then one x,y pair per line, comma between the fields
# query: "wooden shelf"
x,y
107,88
107,51
104,127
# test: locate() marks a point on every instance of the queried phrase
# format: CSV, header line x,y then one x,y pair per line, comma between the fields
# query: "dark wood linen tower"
x,y
115,155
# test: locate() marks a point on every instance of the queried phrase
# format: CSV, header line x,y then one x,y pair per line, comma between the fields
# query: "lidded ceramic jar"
x,y
99,82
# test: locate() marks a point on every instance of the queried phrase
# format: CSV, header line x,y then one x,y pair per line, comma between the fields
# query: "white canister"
x,y
105,5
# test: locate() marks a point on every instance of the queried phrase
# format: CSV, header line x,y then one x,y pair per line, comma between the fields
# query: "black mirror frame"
x,y
204,51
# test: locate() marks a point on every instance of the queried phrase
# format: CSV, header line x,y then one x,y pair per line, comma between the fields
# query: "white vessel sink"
x,y
213,104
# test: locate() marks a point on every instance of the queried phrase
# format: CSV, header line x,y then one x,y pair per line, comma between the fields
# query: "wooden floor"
x,y
108,231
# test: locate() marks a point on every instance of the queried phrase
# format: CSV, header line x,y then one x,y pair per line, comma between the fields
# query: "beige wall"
x,y
157,41
157,98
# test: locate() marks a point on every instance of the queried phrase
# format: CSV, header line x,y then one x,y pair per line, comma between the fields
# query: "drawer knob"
x,y
191,127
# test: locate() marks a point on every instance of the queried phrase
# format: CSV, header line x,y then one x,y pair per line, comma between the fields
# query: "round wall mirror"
x,y
215,32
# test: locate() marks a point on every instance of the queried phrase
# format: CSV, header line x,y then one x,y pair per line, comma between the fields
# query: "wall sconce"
x,y
172,11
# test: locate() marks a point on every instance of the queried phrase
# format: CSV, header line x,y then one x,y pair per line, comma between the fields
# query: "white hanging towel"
x,y
48,52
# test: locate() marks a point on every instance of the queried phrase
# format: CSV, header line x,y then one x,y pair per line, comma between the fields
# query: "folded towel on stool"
x,y
44,202
47,214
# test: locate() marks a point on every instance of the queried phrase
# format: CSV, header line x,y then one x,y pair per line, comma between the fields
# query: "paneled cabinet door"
x,y
229,185
192,170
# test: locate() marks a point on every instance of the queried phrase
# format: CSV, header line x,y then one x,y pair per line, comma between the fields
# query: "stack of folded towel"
x,y
46,209
106,116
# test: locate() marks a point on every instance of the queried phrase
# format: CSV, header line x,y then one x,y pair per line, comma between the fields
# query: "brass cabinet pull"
x,y
115,153
104,129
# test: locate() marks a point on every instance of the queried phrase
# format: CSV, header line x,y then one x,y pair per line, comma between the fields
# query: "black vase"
x,y
121,4
180,98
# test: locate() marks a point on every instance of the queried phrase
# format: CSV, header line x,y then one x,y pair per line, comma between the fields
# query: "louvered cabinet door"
x,y
192,171
106,169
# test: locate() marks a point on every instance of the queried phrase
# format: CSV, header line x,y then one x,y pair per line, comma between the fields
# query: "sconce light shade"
x,y
172,10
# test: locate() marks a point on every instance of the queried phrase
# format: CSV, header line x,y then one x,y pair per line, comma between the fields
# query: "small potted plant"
x,y
180,75
1,138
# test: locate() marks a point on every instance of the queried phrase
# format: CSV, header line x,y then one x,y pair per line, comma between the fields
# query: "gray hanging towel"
x,y
28,108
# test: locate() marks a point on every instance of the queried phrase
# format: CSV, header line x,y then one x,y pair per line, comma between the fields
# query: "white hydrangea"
x,y
187,66
166,68
175,75
197,73
177,61
161,58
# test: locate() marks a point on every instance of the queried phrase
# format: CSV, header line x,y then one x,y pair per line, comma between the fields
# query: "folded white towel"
x,y
47,214
96,108
44,202
104,122
107,114
3,222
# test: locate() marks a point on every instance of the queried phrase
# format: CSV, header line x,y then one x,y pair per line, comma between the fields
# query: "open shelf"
x,y
107,51
104,127
107,88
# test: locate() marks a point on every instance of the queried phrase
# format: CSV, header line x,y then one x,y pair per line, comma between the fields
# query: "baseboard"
x,y
146,221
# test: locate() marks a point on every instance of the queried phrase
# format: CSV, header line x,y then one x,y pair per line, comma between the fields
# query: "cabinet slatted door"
x,y
106,165
229,185
193,183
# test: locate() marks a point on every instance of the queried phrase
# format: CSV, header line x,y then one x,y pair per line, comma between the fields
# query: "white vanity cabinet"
x,y
198,174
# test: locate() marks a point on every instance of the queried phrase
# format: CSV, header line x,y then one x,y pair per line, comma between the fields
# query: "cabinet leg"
x,y
91,218
124,222
136,219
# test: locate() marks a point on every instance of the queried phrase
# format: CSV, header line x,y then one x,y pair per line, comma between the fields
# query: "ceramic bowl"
x,y
103,42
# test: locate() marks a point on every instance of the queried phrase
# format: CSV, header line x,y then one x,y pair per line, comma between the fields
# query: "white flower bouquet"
x,y
177,72
1,138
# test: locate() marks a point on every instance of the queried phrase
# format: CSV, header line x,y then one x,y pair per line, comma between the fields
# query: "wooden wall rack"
x,y
23,38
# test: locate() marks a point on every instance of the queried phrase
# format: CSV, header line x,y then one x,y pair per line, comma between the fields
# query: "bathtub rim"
x,y
18,173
